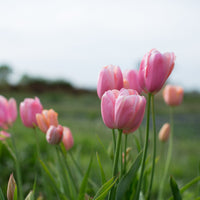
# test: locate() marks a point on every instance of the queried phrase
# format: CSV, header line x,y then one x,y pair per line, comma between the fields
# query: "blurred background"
x,y
55,50
73,40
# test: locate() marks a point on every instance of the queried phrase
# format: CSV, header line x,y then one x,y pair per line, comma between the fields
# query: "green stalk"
x,y
169,155
145,149
115,165
154,148
125,146
114,140
18,170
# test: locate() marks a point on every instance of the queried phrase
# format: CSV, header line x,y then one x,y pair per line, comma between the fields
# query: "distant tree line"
x,y
36,84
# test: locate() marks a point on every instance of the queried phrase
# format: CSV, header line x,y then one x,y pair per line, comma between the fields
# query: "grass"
x,y
81,113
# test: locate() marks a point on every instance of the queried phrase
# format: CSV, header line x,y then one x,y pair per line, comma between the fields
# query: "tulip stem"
x,y
145,149
154,148
169,155
125,146
114,140
115,165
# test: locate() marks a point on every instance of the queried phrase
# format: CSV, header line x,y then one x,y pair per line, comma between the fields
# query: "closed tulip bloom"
x,y
8,112
173,95
110,78
11,188
47,118
154,70
28,110
54,134
164,132
67,139
130,78
123,109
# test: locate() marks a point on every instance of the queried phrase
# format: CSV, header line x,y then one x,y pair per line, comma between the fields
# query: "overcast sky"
x,y
74,39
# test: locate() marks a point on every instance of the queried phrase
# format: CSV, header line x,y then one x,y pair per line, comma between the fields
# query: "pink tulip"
x,y
46,118
28,110
154,70
173,95
123,109
131,80
110,78
67,140
54,134
8,112
4,135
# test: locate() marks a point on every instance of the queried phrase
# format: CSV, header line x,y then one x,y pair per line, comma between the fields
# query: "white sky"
x,y
74,39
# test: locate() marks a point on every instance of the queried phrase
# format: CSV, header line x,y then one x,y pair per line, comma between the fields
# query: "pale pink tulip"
x,y
173,95
54,134
154,70
123,109
67,140
131,81
47,118
8,112
110,78
28,110
4,135
164,132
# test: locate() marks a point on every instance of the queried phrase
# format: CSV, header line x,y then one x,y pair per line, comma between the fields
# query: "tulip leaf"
x,y
128,178
15,193
103,177
103,191
1,194
175,190
83,187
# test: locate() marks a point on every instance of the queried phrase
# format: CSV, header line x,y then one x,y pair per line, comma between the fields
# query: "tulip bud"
x,y
173,95
67,140
164,132
54,134
46,118
110,78
154,70
28,110
11,188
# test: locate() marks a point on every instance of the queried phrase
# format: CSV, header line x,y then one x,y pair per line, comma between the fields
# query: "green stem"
x,y
18,170
115,165
169,155
36,143
68,168
154,149
140,136
125,146
114,141
145,149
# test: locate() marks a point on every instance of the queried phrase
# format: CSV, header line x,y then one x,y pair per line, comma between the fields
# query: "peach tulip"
x,y
67,140
130,78
123,109
8,112
164,132
173,95
154,70
46,118
110,78
54,134
28,110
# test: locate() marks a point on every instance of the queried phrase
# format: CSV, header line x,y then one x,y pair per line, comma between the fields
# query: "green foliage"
x,y
1,195
175,190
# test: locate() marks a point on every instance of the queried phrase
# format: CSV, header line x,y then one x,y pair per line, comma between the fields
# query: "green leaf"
x,y
103,191
175,189
30,196
1,194
103,177
128,178
83,187
15,193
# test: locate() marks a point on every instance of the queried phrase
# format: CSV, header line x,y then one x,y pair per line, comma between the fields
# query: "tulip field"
x,y
134,138
82,114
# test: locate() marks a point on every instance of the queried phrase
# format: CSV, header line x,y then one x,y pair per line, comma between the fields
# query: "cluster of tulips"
x,y
122,107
